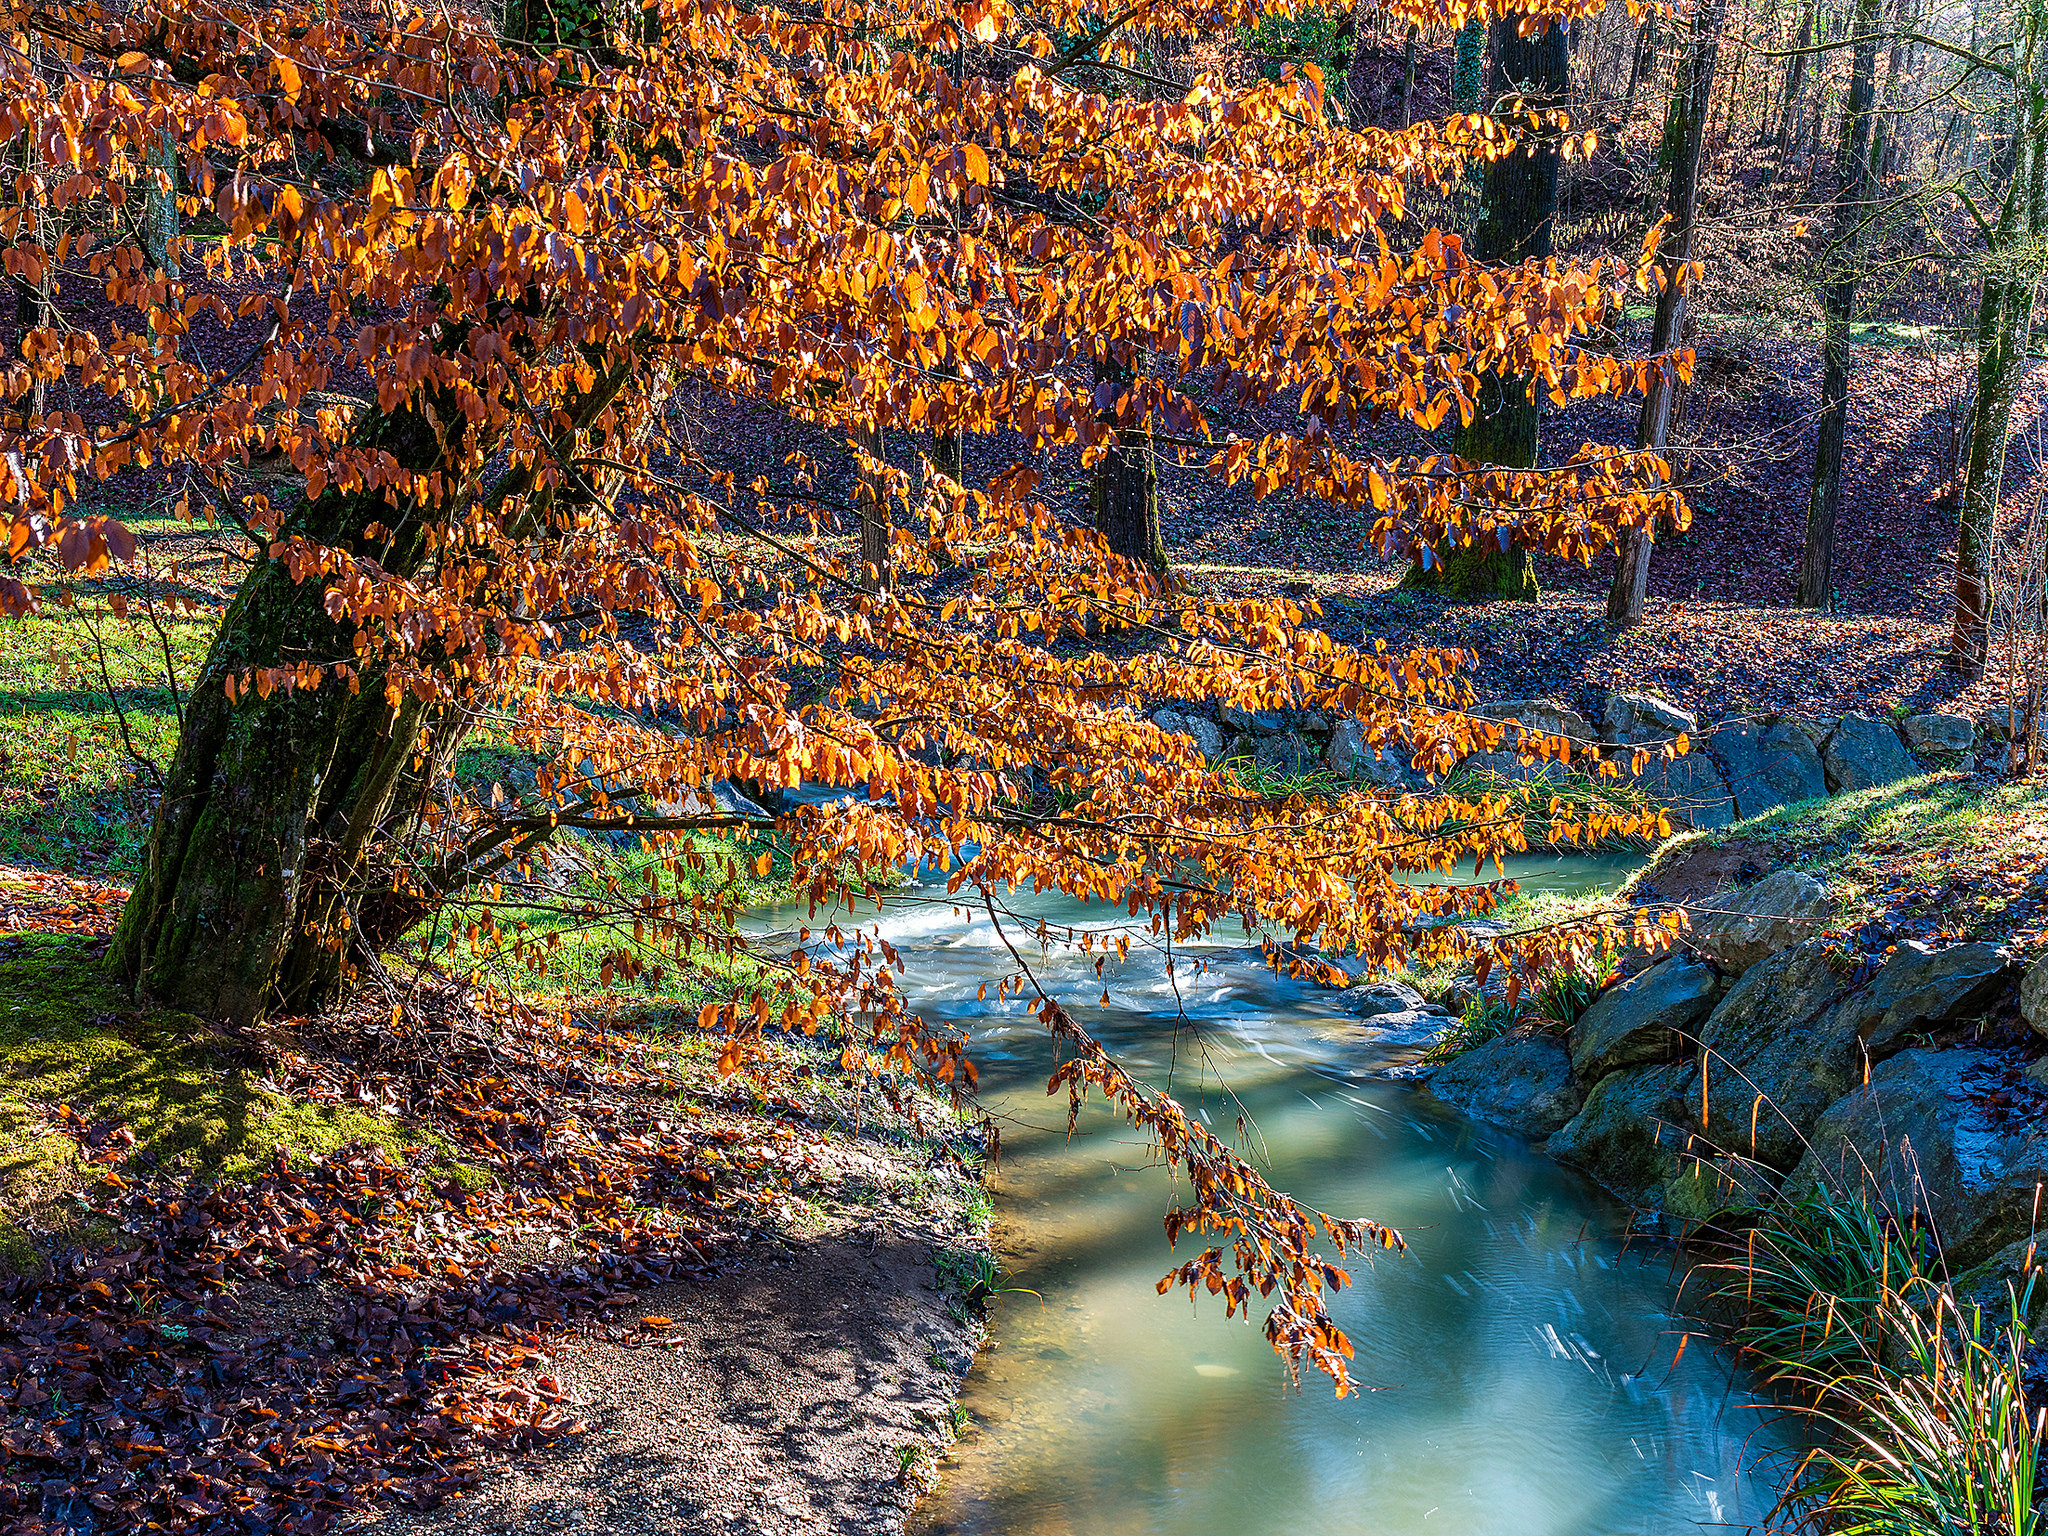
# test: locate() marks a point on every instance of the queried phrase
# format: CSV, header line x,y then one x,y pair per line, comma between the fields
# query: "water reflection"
x,y
1522,1359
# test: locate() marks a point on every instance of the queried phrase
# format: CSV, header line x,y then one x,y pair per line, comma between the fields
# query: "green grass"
x,y
1875,847
72,796
68,1036
1924,1427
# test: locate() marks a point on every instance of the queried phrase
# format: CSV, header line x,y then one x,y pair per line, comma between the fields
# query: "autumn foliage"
x,y
444,289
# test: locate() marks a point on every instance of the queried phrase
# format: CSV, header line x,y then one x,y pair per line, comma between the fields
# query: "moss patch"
x,y
68,1036
1945,853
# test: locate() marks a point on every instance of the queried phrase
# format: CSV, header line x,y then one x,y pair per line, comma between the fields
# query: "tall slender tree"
x,y
2005,323
1690,97
1842,273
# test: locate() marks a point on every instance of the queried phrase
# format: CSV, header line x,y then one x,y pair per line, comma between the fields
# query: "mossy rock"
x,y
68,1035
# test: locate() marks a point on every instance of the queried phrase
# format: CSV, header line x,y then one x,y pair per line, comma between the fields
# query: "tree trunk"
x,y
249,884
1838,301
1517,218
2005,323
1408,47
1795,80
872,498
160,203
1642,65
1125,494
1690,97
1468,66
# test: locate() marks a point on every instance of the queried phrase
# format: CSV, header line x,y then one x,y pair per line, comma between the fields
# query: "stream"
x,y
1522,1365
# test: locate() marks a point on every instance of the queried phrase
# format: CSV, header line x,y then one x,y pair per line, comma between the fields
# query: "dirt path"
x,y
785,1399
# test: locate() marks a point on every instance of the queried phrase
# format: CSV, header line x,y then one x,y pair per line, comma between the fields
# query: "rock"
x,y
1996,724
1767,766
1346,749
1690,789
1920,988
1992,1289
1926,1134
1260,722
1199,727
1816,730
1522,1082
1648,1018
1779,1050
1382,995
1388,771
1864,753
1632,1129
2034,996
1939,733
1545,715
1286,753
1634,718
1736,931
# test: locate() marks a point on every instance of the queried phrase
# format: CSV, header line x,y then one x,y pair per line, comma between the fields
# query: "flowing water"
x,y
1524,1366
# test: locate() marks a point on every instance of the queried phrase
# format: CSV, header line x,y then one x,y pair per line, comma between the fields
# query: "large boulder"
x,y
1994,1287
2034,996
1523,1082
1648,1018
1632,719
1939,733
1257,722
1285,753
1634,1130
1349,756
1545,715
1921,989
1200,727
1381,994
1737,930
1958,1135
1779,1050
1690,789
1767,766
1864,753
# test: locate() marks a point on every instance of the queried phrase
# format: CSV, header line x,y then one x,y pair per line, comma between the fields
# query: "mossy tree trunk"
x,y
249,888
1517,216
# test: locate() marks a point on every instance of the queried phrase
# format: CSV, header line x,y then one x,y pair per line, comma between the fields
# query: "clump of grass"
x,y
1814,1283
1943,1446
1923,1410
1556,1003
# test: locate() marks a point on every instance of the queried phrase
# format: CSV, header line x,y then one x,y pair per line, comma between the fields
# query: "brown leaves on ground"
x,y
40,901
169,1381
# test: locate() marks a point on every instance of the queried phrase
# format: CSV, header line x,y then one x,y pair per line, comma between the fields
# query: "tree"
x,y
1517,211
1842,275
1691,94
2005,324
465,287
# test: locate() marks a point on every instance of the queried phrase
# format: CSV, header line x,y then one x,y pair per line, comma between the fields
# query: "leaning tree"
x,y
448,300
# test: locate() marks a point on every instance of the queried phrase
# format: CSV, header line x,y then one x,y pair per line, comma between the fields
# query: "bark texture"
x,y
1125,494
271,803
